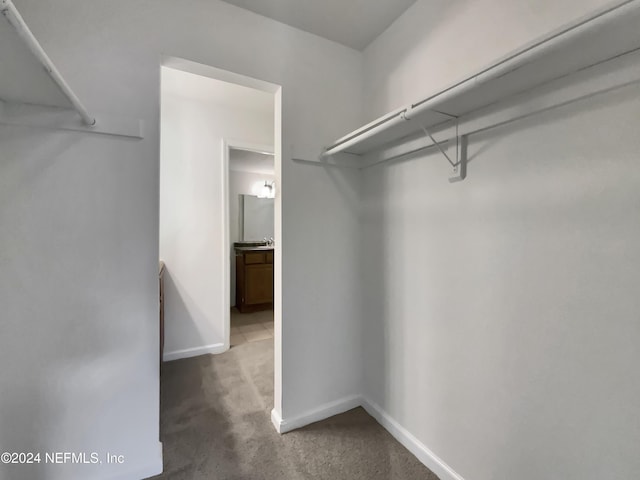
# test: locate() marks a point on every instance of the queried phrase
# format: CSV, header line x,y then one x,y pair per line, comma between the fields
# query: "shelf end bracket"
x,y
460,164
460,168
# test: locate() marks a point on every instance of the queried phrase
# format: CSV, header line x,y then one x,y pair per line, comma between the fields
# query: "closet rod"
x,y
528,54
508,64
14,18
368,131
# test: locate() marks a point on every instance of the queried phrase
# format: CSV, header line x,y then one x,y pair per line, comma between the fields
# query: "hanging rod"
x,y
534,51
14,18
528,54
606,77
369,130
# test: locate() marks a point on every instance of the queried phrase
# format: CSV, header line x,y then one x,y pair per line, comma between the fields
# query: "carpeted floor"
x,y
215,424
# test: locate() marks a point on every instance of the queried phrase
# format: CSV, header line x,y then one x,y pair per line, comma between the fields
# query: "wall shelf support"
x,y
460,164
55,118
460,169
11,13
591,55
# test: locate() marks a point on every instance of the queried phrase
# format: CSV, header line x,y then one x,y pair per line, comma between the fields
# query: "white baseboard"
x,y
194,352
324,411
411,443
276,419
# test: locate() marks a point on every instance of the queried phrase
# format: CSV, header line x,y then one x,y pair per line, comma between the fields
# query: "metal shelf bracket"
x,y
459,166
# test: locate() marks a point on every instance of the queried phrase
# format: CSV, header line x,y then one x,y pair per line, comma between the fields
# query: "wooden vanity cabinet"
x,y
254,280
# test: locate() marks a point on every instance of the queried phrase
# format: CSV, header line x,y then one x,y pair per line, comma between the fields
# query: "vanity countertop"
x,y
254,249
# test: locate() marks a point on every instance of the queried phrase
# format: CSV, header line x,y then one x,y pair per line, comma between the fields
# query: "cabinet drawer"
x,y
269,257
253,258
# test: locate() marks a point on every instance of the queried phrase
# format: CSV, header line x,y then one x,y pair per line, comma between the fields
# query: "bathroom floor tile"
x,y
257,335
256,327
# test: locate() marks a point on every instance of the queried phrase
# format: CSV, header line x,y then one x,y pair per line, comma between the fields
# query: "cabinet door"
x,y
258,284
254,258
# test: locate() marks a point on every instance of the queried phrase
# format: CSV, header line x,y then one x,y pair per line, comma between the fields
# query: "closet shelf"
x,y
31,86
605,35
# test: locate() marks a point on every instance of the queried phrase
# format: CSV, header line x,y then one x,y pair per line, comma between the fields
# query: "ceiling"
x,y
252,162
354,23
205,89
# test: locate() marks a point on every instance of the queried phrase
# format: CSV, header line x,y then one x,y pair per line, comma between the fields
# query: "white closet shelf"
x,y
33,91
603,36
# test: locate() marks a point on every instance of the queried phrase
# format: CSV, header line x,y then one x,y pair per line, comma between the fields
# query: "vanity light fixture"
x,y
268,190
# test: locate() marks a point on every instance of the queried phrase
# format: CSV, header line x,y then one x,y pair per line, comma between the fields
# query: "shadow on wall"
x,y
67,353
375,285
491,138
411,34
439,42
21,170
496,288
184,321
25,411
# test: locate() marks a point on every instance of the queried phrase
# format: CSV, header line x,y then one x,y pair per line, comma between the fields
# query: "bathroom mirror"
x,y
257,221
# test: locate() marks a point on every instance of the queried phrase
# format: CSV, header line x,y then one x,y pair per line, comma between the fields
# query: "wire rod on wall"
x,y
14,18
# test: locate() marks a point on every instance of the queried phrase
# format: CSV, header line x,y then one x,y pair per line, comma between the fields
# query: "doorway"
x,y
202,109
252,188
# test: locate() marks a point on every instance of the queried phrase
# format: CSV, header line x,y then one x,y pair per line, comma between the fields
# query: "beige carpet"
x,y
215,424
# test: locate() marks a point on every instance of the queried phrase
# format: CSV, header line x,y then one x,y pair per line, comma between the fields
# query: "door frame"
x,y
277,91
227,146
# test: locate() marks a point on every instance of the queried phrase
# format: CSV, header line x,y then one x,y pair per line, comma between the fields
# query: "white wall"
x,y
438,42
501,314
78,289
79,216
192,216
240,183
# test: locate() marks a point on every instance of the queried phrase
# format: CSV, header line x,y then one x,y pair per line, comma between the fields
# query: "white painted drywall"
x,y
240,183
501,313
438,42
191,209
79,236
79,296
